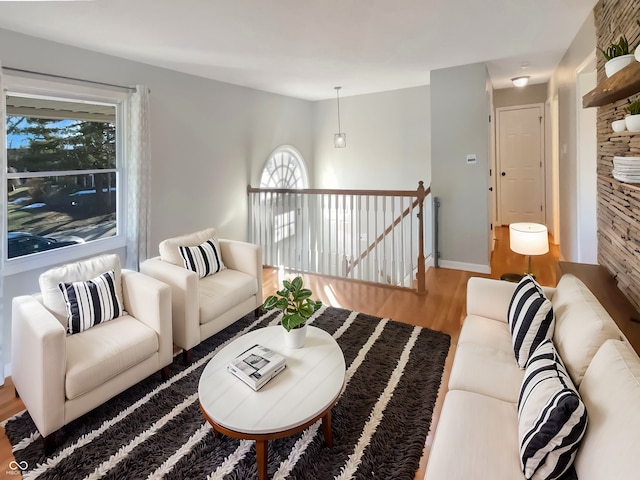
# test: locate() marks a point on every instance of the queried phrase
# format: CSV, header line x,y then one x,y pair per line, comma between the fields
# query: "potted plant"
x,y
632,121
296,306
617,56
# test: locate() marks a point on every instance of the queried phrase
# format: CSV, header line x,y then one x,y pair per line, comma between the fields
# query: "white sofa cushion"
x,y
530,317
52,297
486,332
102,352
551,416
90,303
221,292
483,362
582,325
487,371
169,248
477,438
611,392
204,259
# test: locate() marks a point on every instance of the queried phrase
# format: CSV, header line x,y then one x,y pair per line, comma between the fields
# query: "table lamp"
x,y
527,239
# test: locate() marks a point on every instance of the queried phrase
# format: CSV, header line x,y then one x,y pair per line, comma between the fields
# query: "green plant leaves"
x,y
633,108
297,284
294,302
616,49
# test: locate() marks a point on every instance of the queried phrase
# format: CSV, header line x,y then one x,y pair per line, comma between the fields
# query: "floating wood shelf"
x,y
623,84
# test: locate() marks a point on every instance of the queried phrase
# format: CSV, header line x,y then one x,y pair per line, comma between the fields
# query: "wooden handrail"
x,y
319,191
421,273
380,238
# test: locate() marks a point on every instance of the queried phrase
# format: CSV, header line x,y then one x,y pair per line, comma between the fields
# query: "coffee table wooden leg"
x,y
326,429
261,455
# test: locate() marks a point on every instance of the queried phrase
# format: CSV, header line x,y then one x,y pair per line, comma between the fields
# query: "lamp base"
x,y
514,277
511,277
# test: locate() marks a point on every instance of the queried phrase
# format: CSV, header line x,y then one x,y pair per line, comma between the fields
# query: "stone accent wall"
x,y
618,203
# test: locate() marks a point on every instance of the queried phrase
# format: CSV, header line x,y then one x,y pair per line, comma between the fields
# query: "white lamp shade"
x,y
340,140
529,238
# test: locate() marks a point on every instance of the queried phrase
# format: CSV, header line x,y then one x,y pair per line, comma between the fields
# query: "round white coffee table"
x,y
301,394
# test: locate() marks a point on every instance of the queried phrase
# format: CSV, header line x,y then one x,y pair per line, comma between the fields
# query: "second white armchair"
x,y
208,293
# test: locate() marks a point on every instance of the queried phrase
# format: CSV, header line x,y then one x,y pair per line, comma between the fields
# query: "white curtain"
x,y
138,170
3,200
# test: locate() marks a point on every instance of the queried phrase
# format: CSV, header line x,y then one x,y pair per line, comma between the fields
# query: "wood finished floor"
x,y
443,308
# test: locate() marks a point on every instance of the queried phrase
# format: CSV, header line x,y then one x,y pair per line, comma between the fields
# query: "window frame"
x,y
295,154
27,86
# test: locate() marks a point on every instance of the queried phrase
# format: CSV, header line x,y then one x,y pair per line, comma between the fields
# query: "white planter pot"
x,y
619,125
617,63
295,338
632,122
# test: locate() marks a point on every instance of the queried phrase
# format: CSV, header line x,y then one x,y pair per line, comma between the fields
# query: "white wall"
x,y
460,108
208,141
388,141
587,165
514,96
563,87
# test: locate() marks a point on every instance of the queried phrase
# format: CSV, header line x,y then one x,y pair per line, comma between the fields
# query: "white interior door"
x,y
521,164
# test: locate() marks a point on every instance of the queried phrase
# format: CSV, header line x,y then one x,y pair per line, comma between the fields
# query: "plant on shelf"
x,y
633,108
294,302
632,121
616,49
617,56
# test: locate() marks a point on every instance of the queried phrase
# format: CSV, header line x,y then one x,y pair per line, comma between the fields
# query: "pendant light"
x,y
339,139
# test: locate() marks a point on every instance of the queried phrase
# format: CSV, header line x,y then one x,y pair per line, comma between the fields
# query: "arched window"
x,y
284,169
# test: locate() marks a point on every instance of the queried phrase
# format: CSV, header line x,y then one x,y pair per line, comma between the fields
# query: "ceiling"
x,y
303,48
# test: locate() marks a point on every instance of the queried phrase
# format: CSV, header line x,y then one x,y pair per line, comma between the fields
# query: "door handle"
x,y
503,173
491,189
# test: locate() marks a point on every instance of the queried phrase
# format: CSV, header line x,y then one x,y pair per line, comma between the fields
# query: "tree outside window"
x,y
62,173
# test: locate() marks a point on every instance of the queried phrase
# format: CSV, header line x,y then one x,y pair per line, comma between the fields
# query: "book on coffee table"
x,y
257,365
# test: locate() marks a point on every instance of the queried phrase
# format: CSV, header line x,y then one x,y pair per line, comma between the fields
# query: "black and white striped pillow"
x,y
531,319
552,418
203,259
92,302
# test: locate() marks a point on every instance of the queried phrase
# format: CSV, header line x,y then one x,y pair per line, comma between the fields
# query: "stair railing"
x,y
369,235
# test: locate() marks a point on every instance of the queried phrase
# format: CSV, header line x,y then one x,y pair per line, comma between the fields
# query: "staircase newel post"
x,y
420,275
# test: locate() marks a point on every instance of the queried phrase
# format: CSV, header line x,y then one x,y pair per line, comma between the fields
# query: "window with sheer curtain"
x,y
75,172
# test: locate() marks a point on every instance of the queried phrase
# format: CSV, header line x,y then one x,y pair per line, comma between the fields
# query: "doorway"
x,y
520,164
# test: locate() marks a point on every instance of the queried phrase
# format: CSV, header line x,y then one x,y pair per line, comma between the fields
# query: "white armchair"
x,y
61,376
202,307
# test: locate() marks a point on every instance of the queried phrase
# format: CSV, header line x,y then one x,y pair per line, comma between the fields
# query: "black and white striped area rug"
x,y
156,430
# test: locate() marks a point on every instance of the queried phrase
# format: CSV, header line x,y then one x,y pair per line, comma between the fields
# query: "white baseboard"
x,y
469,267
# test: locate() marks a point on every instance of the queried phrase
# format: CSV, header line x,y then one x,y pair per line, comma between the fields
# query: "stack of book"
x,y
257,365
626,169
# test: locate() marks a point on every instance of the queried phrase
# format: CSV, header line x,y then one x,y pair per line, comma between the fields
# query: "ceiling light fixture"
x,y
339,139
520,81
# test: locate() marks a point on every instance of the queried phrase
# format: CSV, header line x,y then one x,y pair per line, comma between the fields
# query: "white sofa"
x,y
60,376
201,307
477,432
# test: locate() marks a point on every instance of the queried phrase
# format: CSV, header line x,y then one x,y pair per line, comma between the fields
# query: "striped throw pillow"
x,y
92,302
552,418
203,259
531,319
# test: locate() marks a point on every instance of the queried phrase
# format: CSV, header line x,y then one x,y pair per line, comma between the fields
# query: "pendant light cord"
x,y
338,100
